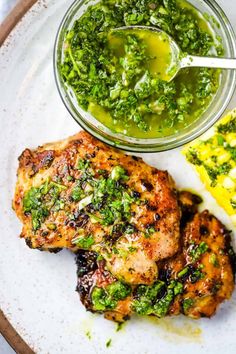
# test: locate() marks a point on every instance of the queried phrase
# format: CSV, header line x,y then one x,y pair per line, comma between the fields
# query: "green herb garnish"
x,y
107,298
84,242
38,201
113,80
187,304
196,251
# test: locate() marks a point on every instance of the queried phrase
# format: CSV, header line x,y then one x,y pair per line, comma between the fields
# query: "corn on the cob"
x,y
214,157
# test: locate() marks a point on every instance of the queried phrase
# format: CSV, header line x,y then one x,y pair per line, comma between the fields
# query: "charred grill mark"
x,y
151,207
189,205
79,220
46,158
78,142
192,274
25,159
66,171
84,285
188,198
204,230
86,262
90,156
196,199
90,272
165,274
28,242
36,162
43,160
147,185
214,286
149,226
55,249
116,233
232,257
135,194
157,217
136,158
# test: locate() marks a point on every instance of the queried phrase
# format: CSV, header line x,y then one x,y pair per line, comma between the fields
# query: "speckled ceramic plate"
x,y
37,290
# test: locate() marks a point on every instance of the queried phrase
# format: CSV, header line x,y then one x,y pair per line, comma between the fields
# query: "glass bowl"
x,y
204,122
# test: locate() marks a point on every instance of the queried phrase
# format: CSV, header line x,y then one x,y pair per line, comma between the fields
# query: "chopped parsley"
x,y
39,201
232,152
196,251
77,193
84,242
214,260
157,298
108,343
88,335
233,203
83,165
214,170
119,173
111,201
229,127
191,273
196,274
183,272
149,231
111,75
192,157
187,304
108,297
119,326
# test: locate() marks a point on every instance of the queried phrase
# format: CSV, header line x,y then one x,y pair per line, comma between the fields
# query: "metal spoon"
x,y
179,60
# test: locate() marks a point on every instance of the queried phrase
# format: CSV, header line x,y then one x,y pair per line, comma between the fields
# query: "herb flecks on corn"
x,y
214,157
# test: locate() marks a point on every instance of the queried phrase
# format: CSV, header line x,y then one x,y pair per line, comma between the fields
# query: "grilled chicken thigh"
x,y
193,282
81,194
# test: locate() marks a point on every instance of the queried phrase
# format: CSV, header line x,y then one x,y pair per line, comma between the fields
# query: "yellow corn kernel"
x,y
224,157
232,173
228,183
231,138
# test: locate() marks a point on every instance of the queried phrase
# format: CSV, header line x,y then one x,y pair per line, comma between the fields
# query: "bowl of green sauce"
x,y
112,82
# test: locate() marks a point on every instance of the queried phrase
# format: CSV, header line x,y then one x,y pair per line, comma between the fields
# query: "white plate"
x,y
37,290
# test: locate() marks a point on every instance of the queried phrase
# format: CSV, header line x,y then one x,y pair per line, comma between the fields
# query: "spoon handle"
x,y
207,62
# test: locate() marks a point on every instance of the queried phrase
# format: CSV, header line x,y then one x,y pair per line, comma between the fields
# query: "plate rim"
x,y
12,337
15,15
10,334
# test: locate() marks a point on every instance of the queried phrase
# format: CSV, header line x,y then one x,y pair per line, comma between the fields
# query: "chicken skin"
x,y
81,194
193,282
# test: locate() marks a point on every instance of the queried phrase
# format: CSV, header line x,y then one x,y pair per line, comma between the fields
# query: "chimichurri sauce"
x,y
119,77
